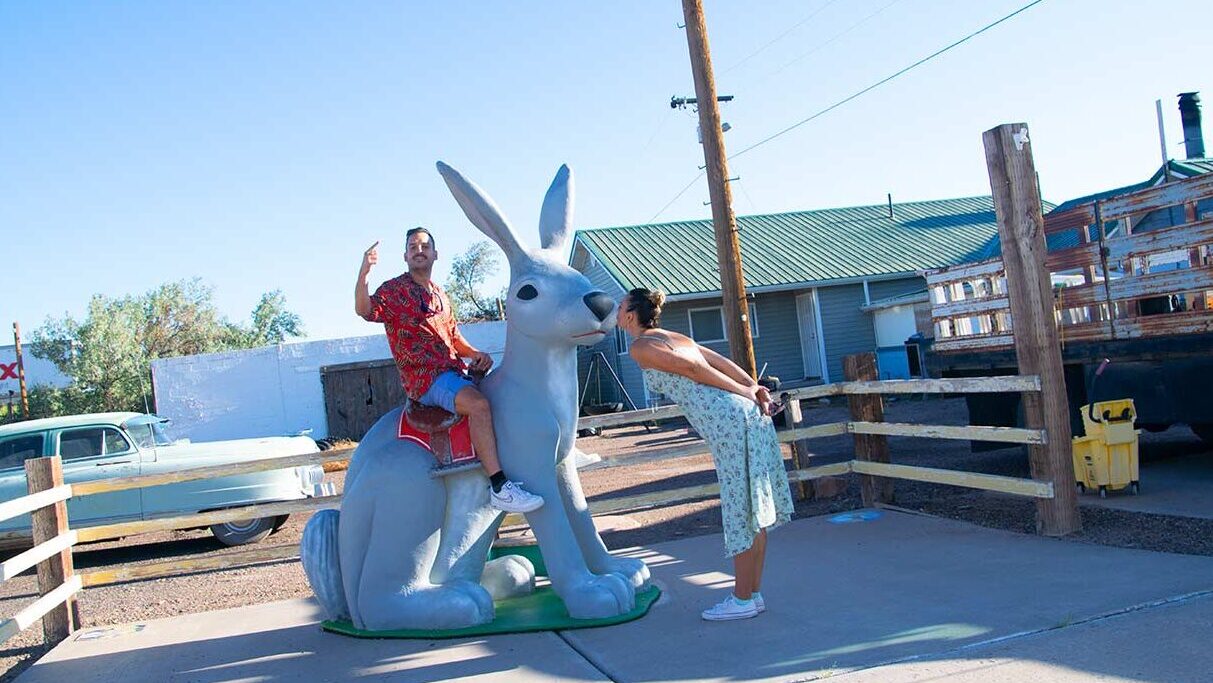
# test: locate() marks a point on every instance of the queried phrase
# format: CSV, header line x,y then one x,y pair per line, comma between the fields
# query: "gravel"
x,y
151,599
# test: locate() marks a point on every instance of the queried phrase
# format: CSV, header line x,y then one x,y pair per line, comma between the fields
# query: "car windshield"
x,y
149,433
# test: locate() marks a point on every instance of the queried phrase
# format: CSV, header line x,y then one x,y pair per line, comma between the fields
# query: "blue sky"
x,y
264,146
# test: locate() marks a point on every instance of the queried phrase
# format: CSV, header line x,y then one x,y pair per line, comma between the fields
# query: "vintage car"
x,y
108,445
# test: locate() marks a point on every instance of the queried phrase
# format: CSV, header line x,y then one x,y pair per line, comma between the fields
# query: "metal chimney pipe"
x,y
1189,114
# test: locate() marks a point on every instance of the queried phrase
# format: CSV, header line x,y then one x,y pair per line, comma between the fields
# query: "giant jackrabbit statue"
x,y
408,550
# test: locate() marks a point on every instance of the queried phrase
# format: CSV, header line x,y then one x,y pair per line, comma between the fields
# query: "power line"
x,y
680,193
881,82
748,198
666,117
838,35
779,37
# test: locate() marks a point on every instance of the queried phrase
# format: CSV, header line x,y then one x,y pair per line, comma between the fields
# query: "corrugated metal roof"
x,y
802,246
1191,167
1185,168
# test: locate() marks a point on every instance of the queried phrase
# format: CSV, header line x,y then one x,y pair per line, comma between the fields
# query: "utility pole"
x,y
21,372
724,223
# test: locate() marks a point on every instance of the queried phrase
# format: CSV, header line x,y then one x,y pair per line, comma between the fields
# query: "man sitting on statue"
x,y
429,352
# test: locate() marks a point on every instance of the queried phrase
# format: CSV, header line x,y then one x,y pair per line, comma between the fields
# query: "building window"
x,y
18,449
621,342
707,324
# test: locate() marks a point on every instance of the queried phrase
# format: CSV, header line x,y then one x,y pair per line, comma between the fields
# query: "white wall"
x,y
894,325
37,371
270,390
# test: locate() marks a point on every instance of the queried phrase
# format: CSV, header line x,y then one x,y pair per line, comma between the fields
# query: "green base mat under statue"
x,y
539,611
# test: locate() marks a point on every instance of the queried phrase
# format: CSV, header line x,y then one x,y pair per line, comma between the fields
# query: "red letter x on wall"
x,y
8,371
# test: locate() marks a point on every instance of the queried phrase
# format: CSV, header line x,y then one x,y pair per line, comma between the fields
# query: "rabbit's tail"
x,y
322,564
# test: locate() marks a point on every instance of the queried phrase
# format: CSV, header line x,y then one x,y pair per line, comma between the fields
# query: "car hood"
x,y
237,450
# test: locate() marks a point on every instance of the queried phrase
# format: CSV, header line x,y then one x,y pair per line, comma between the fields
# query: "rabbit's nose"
x,y
600,304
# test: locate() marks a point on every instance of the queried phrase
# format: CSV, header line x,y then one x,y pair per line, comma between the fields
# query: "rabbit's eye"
x,y
527,293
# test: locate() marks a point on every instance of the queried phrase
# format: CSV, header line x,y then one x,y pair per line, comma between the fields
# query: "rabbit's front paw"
x,y
635,572
597,596
478,595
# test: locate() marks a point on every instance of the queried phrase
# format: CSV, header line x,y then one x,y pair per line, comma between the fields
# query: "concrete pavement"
x,y
898,598
1179,481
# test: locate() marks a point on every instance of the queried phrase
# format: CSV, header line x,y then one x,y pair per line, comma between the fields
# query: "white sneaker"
x,y
513,498
759,603
731,608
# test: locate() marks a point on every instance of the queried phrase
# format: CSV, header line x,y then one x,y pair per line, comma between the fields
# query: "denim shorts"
x,y
442,392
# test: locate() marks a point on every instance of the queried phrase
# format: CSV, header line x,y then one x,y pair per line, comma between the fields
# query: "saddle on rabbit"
x,y
407,550
446,435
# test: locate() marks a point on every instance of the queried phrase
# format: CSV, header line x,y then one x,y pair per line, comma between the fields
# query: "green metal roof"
x,y
802,246
1191,167
66,421
1186,168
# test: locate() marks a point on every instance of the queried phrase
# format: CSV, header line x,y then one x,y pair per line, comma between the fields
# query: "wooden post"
x,y
800,454
861,367
21,372
1021,231
724,223
42,474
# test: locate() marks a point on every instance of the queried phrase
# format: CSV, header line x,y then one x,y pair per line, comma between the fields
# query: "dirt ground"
x,y
203,591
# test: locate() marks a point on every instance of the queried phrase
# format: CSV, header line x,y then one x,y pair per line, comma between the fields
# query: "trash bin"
x,y
1107,457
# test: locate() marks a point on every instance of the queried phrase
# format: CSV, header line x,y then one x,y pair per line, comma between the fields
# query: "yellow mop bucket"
x,y
1107,457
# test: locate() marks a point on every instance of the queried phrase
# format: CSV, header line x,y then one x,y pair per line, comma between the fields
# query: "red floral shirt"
x,y
421,331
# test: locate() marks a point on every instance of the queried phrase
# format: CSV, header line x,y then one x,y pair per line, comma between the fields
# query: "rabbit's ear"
x,y
556,218
481,210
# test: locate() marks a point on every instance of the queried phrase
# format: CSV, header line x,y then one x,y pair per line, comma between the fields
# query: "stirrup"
x,y
440,470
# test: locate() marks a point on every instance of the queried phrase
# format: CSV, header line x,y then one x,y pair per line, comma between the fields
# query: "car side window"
x,y
17,449
115,442
80,443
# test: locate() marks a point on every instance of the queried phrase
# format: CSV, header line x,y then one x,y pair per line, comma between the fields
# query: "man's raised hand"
x,y
370,257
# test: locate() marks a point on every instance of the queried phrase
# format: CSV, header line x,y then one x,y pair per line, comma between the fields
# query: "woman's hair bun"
x,y
647,306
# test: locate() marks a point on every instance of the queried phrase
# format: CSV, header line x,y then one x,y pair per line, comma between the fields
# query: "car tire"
x,y
243,531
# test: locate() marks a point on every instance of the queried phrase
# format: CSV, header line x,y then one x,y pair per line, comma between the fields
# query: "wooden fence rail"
x,y
57,599
209,472
35,501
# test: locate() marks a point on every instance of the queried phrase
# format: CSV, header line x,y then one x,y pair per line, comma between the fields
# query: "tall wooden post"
x,y
21,372
800,454
42,474
861,367
724,223
1037,349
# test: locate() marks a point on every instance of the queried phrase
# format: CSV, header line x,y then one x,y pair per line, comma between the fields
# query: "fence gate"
x,y
358,394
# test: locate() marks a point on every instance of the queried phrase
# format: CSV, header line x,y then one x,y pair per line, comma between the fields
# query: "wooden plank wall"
x,y
356,395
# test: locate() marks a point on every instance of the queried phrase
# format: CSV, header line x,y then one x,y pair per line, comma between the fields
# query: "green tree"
x,y
272,323
44,401
108,353
469,271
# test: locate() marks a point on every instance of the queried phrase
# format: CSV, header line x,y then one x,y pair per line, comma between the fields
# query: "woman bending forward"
x,y
730,411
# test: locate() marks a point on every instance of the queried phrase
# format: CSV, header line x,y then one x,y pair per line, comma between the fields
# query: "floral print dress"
x,y
754,491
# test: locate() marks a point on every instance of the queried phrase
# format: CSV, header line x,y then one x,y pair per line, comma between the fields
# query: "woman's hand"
x,y
762,398
767,403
